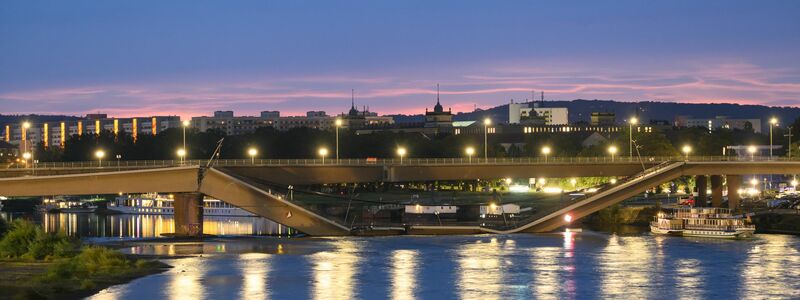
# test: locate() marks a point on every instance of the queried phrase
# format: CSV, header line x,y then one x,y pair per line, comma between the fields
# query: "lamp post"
x,y
401,152
470,151
118,158
546,152
486,123
772,123
322,153
181,153
686,150
185,124
338,123
252,152
752,150
613,151
631,122
99,154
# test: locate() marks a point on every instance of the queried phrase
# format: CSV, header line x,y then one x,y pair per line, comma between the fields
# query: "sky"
x,y
189,58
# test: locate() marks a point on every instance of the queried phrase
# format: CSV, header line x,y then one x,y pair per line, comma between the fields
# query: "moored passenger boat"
x,y
702,222
157,204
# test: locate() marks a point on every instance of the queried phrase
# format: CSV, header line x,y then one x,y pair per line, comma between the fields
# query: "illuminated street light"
x,y
794,183
613,151
338,124
470,152
574,182
754,182
508,181
546,152
99,154
686,150
631,122
401,152
25,126
322,153
752,150
26,156
486,123
252,152
181,153
772,123
568,218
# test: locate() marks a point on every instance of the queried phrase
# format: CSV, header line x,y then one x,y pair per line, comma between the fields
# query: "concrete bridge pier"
x,y
701,183
716,190
188,214
734,184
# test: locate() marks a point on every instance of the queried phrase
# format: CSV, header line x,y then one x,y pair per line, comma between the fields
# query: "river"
x,y
561,265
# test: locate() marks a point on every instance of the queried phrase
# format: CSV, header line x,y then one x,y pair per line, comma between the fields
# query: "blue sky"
x,y
192,57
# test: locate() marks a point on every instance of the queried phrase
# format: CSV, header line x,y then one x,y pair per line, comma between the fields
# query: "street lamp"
x,y
772,123
252,152
185,124
118,158
323,152
338,123
470,151
486,123
26,156
99,154
686,150
631,122
181,153
546,152
613,151
752,150
401,152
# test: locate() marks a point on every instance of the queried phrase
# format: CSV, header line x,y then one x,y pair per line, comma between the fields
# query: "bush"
x,y
3,227
27,240
92,262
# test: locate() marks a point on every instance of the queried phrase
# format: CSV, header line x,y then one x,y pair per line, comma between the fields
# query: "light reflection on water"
x,y
149,226
571,265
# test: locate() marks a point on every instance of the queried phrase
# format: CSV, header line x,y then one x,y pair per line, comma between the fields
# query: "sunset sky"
x,y
190,58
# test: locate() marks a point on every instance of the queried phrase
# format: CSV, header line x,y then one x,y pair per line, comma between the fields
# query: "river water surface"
x,y
567,265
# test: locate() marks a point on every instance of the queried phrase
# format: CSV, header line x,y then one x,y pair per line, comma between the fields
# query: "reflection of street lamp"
x,y
686,150
752,150
401,152
338,124
252,152
613,151
631,122
323,152
470,151
100,154
486,123
546,152
772,123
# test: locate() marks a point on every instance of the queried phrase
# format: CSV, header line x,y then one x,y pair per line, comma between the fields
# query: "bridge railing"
x,y
649,161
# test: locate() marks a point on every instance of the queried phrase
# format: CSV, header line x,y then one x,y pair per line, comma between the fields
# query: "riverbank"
x,y
779,221
40,265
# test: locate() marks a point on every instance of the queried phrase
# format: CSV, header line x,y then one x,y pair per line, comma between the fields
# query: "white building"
x,y
719,122
520,112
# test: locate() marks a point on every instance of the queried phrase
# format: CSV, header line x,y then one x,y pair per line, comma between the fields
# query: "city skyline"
x,y
145,58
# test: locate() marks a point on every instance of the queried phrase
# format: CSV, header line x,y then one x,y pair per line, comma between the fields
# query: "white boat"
x,y
62,204
157,204
702,222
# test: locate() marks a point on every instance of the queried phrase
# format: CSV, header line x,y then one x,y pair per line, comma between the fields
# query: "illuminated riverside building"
x,y
55,133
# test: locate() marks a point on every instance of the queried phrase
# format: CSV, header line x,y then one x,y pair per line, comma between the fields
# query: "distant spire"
x,y
437,93
352,98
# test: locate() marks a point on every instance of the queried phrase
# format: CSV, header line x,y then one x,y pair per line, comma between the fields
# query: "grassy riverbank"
x,y
40,265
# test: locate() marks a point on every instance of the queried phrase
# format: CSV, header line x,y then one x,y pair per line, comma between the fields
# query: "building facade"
x,y
55,133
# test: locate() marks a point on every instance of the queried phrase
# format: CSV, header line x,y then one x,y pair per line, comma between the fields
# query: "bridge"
x,y
259,186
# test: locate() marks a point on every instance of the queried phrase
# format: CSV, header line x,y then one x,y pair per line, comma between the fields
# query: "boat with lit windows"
x,y
702,222
158,204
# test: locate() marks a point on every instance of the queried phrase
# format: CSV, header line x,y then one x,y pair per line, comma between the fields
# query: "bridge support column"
x,y
716,190
734,184
188,214
701,183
